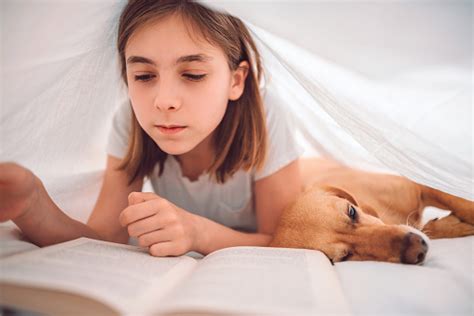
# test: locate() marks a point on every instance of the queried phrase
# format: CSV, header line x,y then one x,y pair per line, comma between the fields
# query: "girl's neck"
x,y
197,161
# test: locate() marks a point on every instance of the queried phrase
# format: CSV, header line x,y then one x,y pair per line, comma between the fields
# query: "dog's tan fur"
x,y
388,207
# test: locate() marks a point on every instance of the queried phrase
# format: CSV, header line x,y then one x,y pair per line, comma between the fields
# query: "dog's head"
x,y
329,219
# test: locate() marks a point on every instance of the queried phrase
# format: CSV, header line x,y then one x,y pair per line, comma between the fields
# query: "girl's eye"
x,y
194,77
144,78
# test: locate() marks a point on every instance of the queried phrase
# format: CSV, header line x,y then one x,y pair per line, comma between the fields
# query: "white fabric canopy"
x,y
403,104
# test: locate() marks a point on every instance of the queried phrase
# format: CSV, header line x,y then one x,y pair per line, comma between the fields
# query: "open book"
x,y
87,276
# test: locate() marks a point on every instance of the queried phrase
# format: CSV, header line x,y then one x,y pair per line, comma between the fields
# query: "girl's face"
x,y
179,85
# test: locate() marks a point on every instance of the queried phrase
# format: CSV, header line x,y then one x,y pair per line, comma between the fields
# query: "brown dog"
x,y
355,215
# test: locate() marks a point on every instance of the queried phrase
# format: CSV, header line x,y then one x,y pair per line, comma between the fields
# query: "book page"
x,y
12,241
118,275
260,280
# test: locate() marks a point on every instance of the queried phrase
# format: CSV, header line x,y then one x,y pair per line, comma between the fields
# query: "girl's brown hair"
x,y
241,137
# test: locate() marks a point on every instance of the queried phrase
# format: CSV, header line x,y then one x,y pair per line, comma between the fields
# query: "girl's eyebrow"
x,y
183,59
140,60
197,57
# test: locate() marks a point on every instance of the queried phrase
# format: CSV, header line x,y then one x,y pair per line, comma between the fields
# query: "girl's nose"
x,y
167,98
168,106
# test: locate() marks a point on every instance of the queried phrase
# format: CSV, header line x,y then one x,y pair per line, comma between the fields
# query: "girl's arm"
x,y
113,199
43,222
168,230
272,195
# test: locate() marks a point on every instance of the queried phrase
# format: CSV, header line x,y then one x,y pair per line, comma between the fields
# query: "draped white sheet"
x,y
60,85
417,130
417,124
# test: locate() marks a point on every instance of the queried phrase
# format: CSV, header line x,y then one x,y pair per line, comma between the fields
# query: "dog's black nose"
x,y
414,249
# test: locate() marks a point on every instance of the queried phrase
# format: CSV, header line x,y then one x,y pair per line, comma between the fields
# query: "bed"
x,y
443,285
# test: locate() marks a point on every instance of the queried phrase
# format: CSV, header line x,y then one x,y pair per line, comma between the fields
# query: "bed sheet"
x,y
443,285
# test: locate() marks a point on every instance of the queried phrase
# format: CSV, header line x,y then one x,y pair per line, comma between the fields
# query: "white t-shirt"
x,y
231,203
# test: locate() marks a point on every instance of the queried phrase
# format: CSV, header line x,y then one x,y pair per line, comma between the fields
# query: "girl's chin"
x,y
175,149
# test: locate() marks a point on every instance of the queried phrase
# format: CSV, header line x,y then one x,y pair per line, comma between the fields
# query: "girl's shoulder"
x,y
283,144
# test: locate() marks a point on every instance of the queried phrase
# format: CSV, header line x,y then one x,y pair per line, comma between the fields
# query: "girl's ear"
x,y
237,84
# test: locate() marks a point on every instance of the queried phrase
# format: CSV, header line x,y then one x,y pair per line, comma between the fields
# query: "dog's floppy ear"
x,y
340,193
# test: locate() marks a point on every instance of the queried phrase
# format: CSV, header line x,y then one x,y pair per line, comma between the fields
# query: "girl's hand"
x,y
164,228
18,191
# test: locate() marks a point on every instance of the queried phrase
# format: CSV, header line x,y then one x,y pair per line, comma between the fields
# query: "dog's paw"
x,y
447,227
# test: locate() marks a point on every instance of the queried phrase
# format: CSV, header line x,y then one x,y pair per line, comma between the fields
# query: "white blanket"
x,y
443,285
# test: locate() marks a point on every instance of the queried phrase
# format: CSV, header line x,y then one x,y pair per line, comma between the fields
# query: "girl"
x,y
194,125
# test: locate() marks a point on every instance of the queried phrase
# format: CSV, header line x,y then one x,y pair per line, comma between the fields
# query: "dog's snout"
x,y
414,249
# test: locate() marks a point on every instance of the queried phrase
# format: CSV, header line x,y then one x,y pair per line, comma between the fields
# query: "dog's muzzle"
x,y
414,249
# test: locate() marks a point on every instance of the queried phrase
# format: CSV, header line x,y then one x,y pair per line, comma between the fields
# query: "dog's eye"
x,y
352,213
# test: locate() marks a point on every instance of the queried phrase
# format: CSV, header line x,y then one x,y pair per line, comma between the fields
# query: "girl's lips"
x,y
171,129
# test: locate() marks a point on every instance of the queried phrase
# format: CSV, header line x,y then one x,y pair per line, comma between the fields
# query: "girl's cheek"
x,y
139,96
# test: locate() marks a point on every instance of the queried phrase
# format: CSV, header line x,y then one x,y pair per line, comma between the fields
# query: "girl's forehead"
x,y
168,39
